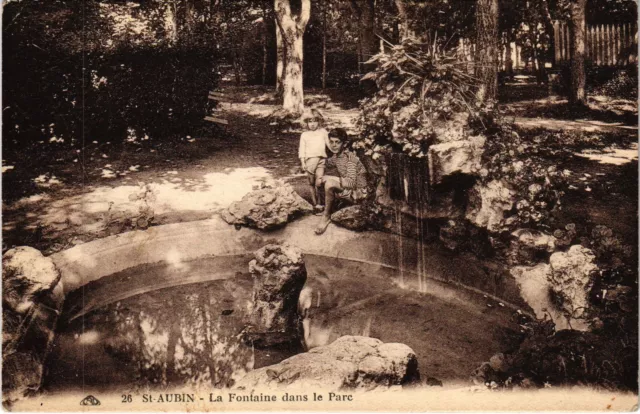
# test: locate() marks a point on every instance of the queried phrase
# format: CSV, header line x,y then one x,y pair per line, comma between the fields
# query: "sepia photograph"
x,y
319,205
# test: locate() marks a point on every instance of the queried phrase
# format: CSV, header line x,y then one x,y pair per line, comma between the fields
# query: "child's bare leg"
x,y
312,185
319,187
331,186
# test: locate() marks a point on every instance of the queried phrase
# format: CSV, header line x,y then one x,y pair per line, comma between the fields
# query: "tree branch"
x,y
305,13
282,9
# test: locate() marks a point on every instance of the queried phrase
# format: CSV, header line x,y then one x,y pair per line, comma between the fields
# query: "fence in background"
x,y
606,44
612,45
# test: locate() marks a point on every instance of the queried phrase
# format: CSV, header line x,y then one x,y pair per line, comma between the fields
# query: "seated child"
x,y
349,181
312,153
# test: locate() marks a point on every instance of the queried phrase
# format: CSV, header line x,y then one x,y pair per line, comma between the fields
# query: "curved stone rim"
x,y
182,242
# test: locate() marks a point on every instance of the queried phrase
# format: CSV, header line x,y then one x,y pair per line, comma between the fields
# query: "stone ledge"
x,y
183,242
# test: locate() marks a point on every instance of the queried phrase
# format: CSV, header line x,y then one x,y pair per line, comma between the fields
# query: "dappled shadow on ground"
x,y
537,101
517,92
70,197
607,111
260,102
579,125
611,155
103,210
60,197
336,98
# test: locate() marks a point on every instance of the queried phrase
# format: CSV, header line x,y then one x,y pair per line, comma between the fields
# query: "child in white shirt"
x,y
312,153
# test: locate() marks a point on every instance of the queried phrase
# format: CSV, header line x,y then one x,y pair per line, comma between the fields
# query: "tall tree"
x,y
403,19
324,44
487,49
292,26
264,33
365,11
172,21
281,53
577,29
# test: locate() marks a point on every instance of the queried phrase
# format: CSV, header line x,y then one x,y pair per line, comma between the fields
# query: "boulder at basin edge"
x,y
350,362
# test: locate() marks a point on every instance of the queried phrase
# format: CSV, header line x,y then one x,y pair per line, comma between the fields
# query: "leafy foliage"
x,y
446,19
606,357
64,83
623,84
537,182
422,90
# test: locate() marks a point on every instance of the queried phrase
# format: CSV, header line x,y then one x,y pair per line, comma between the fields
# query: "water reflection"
x,y
192,335
184,335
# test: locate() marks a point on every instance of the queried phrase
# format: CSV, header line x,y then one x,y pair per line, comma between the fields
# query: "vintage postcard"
x,y
319,205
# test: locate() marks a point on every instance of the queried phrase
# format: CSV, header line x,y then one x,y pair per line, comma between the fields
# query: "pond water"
x,y
145,327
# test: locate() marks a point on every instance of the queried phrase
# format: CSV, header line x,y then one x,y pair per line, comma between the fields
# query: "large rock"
x,y
32,297
267,208
488,204
348,363
26,273
279,274
571,278
530,246
456,157
358,217
352,218
533,283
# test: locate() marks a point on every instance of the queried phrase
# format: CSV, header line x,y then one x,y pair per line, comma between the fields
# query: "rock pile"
x,y
279,274
267,208
32,297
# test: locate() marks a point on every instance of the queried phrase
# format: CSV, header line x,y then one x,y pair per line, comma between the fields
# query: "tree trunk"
x,y
577,29
281,53
368,25
403,20
292,29
190,16
324,44
365,13
293,99
548,21
359,52
171,22
237,66
264,44
508,61
264,57
487,49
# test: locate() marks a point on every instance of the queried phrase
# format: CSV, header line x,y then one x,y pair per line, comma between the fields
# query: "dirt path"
x,y
70,197
73,197
580,125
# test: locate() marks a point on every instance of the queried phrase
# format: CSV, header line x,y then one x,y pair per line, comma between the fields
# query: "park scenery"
x,y
229,201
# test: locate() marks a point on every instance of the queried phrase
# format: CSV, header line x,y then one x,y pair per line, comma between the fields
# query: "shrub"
x,y
623,84
152,87
421,89
537,182
154,91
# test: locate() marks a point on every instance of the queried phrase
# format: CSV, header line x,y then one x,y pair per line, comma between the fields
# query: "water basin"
x,y
171,324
